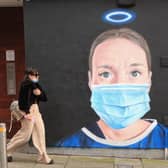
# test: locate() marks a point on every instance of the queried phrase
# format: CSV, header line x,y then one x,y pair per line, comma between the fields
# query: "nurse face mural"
x,y
120,80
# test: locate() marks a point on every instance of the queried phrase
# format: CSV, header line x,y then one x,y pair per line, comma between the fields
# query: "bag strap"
x,y
11,123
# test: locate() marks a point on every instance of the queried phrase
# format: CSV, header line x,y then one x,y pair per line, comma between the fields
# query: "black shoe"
x,y
51,161
9,158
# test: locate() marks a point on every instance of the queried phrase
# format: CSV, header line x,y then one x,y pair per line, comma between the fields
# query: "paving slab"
x,y
151,163
90,162
21,160
128,163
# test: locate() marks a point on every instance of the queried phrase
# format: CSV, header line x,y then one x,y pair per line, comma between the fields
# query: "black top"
x,y
26,96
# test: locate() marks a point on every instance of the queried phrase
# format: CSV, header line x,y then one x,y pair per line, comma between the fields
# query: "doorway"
x,y
12,60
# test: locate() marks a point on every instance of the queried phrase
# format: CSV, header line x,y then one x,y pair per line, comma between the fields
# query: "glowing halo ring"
x,y
127,16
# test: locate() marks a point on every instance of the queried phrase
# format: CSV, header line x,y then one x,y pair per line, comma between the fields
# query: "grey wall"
x,y
58,35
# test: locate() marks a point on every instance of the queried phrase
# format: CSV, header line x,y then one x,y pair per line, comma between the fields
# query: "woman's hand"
x,y
37,92
28,116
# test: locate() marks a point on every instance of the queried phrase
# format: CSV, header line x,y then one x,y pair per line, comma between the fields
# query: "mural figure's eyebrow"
x,y
105,66
136,64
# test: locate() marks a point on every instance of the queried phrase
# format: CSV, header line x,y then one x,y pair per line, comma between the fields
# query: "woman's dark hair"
x,y
30,71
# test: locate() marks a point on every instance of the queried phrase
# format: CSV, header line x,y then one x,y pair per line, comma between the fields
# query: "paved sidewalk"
x,y
23,160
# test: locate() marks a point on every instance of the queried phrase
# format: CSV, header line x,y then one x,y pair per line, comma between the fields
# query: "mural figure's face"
x,y
119,61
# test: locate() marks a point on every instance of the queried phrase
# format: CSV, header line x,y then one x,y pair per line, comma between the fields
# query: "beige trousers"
x,y
34,128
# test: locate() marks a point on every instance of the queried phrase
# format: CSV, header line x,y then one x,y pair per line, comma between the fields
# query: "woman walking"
x,y
31,93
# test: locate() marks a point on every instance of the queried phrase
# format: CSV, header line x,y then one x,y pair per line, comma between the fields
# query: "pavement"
x,y
28,160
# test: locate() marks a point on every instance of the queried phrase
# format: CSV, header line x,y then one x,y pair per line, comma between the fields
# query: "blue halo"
x,y
119,16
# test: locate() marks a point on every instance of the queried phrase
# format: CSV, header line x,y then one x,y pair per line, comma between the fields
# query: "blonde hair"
x,y
126,33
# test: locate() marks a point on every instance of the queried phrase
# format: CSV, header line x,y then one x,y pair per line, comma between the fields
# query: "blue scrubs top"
x,y
155,137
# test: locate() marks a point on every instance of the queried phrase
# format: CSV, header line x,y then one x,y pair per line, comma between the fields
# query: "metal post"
x,y
3,157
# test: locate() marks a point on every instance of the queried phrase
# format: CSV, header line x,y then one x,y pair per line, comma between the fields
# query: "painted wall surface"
x,y
58,36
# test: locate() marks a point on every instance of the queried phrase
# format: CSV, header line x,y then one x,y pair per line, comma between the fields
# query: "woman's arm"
x,y
40,93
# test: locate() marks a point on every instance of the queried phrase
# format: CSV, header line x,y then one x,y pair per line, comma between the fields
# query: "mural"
x,y
120,81
115,100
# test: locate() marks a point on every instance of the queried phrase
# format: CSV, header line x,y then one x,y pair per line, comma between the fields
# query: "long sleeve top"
x,y
26,96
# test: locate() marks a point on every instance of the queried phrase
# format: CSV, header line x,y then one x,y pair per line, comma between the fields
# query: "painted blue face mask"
x,y
120,105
